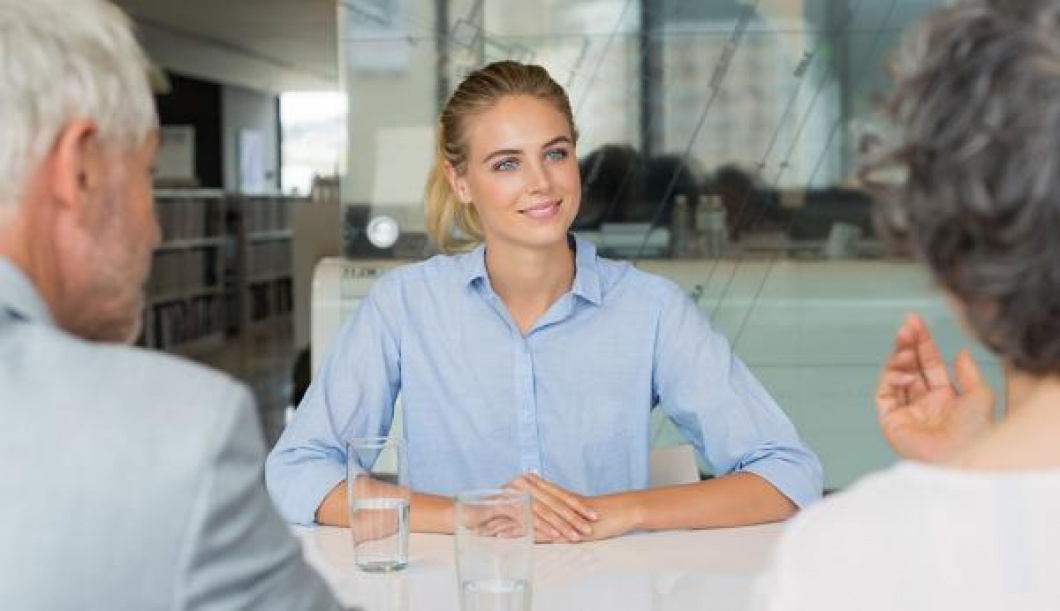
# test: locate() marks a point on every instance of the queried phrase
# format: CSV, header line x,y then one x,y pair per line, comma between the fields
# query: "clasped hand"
x,y
561,516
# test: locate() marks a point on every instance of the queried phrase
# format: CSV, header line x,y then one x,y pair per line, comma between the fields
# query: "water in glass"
x,y
380,528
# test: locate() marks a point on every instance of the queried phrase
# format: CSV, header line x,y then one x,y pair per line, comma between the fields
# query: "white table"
x,y
705,569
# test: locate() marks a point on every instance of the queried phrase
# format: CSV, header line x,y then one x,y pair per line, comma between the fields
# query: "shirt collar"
x,y
586,268
19,297
474,263
587,283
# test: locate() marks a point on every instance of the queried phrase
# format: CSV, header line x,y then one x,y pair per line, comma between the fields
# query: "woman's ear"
x,y
457,183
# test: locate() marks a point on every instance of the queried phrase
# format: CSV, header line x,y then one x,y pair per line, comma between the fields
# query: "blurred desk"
x,y
678,570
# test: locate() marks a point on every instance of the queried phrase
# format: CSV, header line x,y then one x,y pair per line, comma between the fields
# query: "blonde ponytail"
x,y
451,224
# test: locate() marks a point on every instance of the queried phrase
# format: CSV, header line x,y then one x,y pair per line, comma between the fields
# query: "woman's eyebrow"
x,y
503,152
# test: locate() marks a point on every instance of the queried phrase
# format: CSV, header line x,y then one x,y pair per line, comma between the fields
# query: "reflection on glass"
x,y
755,115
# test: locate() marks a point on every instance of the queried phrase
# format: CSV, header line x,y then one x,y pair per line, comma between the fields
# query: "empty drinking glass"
x,y
494,550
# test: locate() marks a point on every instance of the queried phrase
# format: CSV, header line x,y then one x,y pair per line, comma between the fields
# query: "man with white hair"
x,y
128,480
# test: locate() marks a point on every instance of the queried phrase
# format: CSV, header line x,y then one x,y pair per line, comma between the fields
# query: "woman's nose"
x,y
540,180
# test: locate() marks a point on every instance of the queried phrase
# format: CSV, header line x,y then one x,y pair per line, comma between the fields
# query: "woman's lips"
x,y
543,210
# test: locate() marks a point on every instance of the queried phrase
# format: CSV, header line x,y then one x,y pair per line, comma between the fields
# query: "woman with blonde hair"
x,y
525,360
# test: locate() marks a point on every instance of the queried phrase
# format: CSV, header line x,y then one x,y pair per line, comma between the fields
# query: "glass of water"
x,y
494,550
378,495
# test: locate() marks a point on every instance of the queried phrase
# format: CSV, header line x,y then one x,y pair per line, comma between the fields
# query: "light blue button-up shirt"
x,y
570,400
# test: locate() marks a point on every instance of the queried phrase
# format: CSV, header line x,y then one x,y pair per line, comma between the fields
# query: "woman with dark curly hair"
x,y
970,522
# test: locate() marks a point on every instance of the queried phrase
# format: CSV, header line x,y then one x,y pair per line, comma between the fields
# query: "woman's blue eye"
x,y
506,164
556,154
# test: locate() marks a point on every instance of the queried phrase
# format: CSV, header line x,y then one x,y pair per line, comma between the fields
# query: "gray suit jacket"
x,y
131,480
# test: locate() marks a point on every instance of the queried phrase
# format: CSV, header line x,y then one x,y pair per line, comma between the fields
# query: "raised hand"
x,y
922,414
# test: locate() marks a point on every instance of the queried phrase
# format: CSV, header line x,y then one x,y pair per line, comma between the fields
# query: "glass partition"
x,y
708,129
719,146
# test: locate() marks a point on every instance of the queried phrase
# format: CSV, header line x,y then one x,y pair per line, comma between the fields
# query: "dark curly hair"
x,y
977,105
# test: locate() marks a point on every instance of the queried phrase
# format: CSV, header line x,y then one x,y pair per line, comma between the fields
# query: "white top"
x,y
923,537
700,569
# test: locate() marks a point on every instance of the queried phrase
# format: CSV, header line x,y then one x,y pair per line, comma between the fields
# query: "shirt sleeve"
x,y
352,395
716,403
238,553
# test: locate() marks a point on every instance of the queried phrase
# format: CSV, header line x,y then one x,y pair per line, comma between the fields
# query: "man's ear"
x,y
457,183
77,163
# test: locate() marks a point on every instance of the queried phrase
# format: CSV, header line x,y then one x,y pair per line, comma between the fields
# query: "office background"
x,y
719,145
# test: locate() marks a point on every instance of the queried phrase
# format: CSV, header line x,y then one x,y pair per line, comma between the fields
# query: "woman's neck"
x,y
529,281
1027,436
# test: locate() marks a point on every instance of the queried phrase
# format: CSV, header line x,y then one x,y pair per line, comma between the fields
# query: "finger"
x,y
904,363
966,371
931,366
543,531
553,510
511,531
572,500
916,390
887,404
904,360
905,336
557,526
490,529
897,370
970,380
891,391
505,530
496,525
560,527
895,380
